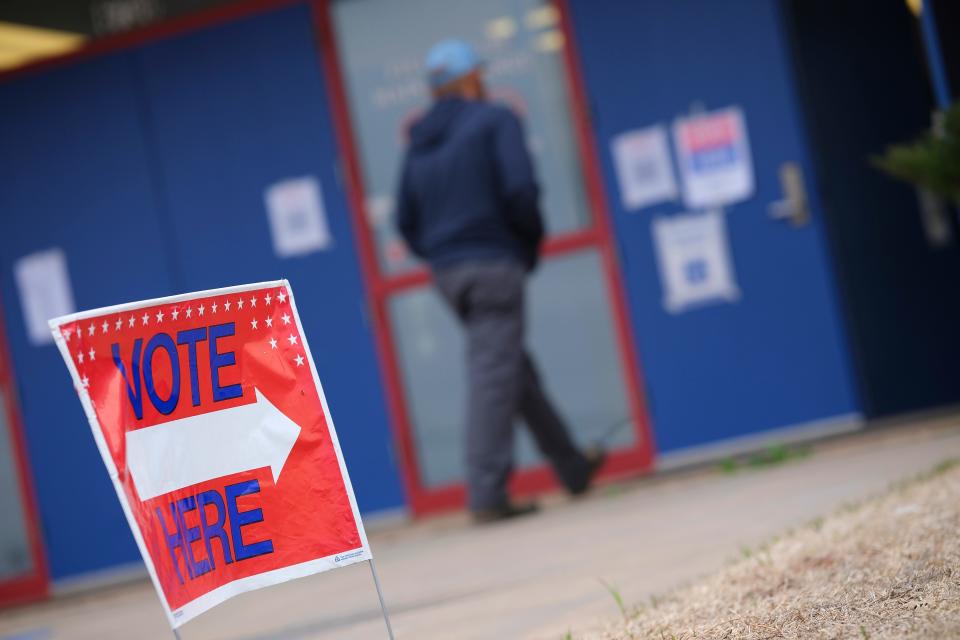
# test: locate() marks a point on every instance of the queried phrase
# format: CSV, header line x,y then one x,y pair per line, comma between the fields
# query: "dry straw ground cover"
x,y
887,569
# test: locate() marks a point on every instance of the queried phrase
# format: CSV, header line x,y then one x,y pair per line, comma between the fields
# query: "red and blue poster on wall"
x,y
713,154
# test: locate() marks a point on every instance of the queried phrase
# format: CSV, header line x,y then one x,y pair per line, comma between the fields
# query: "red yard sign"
x,y
211,420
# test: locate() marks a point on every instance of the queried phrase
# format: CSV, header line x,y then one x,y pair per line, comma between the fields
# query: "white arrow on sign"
x,y
177,454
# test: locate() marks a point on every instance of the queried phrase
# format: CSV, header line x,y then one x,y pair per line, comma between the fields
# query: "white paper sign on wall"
x,y
643,166
693,256
298,220
44,287
713,153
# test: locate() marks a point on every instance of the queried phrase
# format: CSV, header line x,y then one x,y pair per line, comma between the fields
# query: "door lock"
x,y
794,205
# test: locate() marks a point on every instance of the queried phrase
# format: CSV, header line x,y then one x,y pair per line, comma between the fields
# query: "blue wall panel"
x,y
778,356
74,175
232,110
148,169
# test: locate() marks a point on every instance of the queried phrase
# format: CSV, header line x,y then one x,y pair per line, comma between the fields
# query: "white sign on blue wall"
x,y
298,219
693,256
45,292
644,170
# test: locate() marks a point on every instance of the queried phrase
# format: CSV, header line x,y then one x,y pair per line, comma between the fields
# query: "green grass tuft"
x,y
615,594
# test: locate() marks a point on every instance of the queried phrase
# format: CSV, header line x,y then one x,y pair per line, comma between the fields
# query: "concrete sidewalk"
x,y
537,577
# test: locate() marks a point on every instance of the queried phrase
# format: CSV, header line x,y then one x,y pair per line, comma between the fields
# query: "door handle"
x,y
794,206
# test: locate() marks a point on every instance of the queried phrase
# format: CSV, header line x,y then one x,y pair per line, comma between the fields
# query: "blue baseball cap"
x,y
449,60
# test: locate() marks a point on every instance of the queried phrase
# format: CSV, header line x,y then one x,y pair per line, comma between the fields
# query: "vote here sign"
x,y
211,420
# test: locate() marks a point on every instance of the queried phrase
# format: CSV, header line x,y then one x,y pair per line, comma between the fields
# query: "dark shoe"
x,y
595,456
505,512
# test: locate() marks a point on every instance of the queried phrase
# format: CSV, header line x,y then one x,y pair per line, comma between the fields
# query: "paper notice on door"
x,y
713,154
643,166
693,256
44,287
298,220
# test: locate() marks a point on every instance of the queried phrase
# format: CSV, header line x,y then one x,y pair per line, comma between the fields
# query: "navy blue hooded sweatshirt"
x,y
467,188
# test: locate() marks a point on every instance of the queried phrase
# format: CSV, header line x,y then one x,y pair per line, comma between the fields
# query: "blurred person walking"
x,y
468,204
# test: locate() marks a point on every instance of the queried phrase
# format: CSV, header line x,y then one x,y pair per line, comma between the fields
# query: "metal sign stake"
x,y
383,606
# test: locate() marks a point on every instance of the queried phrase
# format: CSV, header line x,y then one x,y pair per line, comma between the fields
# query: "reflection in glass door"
x,y
22,570
577,329
572,341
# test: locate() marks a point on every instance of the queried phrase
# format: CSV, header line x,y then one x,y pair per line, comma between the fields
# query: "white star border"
x,y
258,307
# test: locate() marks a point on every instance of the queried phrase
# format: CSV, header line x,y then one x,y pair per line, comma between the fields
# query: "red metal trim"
x,y
525,483
619,464
437,500
409,280
420,277
36,584
570,242
597,197
350,163
149,33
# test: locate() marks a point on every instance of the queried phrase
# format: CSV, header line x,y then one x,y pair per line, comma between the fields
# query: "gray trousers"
x,y
487,297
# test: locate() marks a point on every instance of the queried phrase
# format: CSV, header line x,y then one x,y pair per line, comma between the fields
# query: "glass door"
x,y
577,327
22,566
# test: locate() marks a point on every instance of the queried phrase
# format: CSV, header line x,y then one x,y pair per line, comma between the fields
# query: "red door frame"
x,y
636,459
379,286
35,584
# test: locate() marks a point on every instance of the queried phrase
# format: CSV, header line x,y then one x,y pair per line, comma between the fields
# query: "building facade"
x,y
724,268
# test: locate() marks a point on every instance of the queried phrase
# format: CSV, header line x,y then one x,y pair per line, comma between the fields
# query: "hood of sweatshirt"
x,y
434,127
